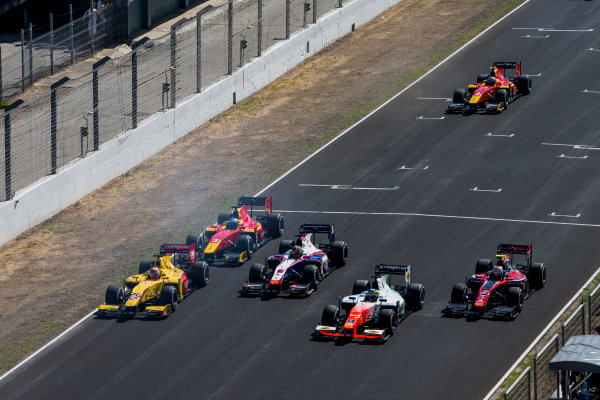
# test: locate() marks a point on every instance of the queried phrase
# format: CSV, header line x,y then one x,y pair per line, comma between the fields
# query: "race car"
x,y
237,234
375,308
299,266
492,92
500,290
155,291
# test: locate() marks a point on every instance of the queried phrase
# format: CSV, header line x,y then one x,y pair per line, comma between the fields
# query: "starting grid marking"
x,y
574,146
349,187
553,30
463,217
476,189
590,91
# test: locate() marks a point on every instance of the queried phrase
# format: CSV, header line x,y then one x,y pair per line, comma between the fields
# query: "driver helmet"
x,y
491,80
496,274
503,261
372,295
296,252
232,224
154,273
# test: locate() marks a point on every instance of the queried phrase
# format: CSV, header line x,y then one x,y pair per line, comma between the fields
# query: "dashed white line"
x,y
574,146
434,98
422,117
499,135
463,217
536,75
590,91
349,187
476,189
572,157
554,30
536,36
405,167
554,214
592,49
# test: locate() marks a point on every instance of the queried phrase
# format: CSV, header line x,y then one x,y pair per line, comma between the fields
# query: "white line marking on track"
x,y
408,214
539,337
476,189
564,215
314,154
592,49
434,98
572,157
422,117
349,187
554,30
405,167
536,75
536,36
575,146
498,135
590,91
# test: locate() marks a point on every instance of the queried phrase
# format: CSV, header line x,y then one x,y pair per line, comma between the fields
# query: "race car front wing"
x,y
461,309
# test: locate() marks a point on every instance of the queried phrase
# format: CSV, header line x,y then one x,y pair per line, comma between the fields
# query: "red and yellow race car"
x,y
237,234
492,92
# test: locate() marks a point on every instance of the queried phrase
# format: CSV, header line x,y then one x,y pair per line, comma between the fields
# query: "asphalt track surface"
x,y
219,345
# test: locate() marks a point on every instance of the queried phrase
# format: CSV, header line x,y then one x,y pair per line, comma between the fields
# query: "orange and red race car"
x,y
237,234
492,92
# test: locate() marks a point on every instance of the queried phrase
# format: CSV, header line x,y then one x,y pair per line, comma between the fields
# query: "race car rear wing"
x,y
319,228
256,201
516,65
403,270
504,248
188,251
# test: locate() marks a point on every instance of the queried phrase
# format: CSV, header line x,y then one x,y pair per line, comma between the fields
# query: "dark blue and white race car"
x,y
299,266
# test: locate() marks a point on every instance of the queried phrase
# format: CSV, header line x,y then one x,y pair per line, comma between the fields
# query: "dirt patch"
x,y
57,272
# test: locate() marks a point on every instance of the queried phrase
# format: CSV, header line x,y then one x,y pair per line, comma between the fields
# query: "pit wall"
x,y
53,193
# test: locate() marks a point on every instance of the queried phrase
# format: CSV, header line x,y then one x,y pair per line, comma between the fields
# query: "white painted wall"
x,y
51,194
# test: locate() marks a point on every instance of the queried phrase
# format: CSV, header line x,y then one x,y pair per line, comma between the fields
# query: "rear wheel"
x,y
483,265
537,275
145,266
310,275
275,225
514,296
199,272
114,295
459,294
285,245
459,96
415,296
339,253
257,273
168,295
330,315
387,319
360,286
246,243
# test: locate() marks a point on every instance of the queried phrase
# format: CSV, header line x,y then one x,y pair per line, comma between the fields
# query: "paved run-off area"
x,y
54,274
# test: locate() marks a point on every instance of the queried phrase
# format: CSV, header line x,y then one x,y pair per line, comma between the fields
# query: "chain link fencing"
x,y
78,115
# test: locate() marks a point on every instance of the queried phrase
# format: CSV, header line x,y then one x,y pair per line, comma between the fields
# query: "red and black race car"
x,y
237,234
500,290
493,91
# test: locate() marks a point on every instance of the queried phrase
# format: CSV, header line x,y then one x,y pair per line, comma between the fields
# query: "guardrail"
x,y
78,115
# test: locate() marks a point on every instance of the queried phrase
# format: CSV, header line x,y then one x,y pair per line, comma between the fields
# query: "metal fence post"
x,y
96,101
315,11
583,318
287,19
529,385
22,60
340,3
305,18
53,130
230,38
51,44
557,372
259,33
562,330
71,33
7,148
535,377
134,81
199,47
589,310
1,95
30,54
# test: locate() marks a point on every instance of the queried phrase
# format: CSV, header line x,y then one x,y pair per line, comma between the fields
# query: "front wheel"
x,y
257,273
459,96
168,296
114,295
502,97
285,245
246,243
459,294
145,266
310,275
330,315
514,296
360,285
387,319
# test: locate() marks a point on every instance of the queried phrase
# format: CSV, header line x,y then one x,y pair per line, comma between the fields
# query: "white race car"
x,y
375,307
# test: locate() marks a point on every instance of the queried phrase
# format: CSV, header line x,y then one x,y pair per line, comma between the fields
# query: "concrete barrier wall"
x,y
53,193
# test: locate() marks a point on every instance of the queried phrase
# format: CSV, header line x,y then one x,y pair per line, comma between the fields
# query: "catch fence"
x,y
78,115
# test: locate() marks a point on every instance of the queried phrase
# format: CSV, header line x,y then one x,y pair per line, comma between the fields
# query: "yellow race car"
x,y
155,291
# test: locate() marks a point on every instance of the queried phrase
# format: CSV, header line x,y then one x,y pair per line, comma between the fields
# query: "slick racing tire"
x,y
199,272
257,273
195,239
339,253
415,296
537,275
246,243
222,217
514,296
285,245
310,275
483,265
114,295
459,294
502,97
145,266
482,77
361,285
168,295
459,96
387,319
330,315
524,84
275,225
